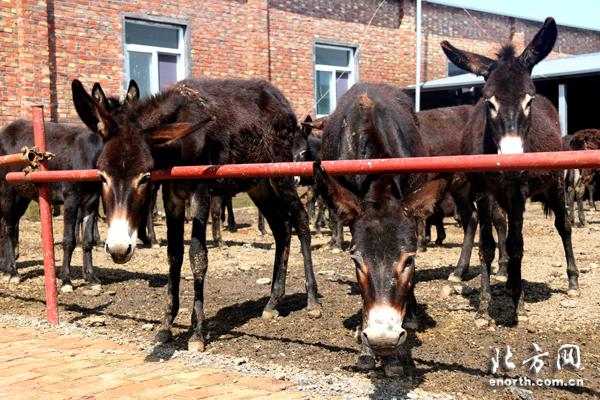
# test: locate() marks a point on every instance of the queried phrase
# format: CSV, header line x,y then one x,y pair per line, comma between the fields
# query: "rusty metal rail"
x,y
475,163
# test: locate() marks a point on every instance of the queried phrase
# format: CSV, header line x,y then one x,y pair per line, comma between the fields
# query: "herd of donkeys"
x,y
199,122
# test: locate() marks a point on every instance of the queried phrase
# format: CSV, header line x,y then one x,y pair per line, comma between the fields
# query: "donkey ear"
x,y
421,203
99,96
319,123
166,135
475,63
91,112
541,45
345,203
133,92
306,126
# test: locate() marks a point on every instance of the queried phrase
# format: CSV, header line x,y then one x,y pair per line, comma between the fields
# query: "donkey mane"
x,y
507,52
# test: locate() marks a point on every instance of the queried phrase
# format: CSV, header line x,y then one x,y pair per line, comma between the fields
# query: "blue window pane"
x,y
334,57
139,70
151,35
323,92
167,70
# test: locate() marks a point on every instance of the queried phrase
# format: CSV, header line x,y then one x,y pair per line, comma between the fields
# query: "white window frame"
x,y
351,69
155,51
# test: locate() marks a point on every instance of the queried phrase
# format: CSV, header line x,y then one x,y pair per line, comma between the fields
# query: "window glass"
x,y
151,35
323,92
334,57
139,70
167,70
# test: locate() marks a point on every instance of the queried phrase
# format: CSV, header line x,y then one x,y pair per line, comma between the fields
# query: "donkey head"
x,y
508,91
125,162
384,244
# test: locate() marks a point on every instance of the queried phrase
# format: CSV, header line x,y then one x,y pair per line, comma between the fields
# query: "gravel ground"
x,y
452,355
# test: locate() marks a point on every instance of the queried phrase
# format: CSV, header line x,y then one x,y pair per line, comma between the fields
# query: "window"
x,y
334,75
453,70
154,55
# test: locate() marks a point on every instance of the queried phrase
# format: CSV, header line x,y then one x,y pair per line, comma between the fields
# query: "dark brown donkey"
x,y
198,122
378,121
441,130
578,181
75,147
511,118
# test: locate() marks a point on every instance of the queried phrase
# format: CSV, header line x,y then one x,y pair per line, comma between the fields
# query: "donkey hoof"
x,y
573,293
14,279
164,336
270,314
196,346
365,362
66,288
454,278
315,312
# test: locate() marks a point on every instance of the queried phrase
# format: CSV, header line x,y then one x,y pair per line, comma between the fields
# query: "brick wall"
x,y
44,44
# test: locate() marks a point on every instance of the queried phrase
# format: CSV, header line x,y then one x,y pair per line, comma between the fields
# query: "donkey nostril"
x,y
106,248
129,250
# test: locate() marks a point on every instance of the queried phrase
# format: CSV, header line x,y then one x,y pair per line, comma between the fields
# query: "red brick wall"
x,y
44,44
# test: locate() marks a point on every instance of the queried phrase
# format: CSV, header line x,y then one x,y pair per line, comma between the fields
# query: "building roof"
x,y
568,67
482,8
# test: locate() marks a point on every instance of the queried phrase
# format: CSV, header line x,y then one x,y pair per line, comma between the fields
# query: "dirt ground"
x,y
451,354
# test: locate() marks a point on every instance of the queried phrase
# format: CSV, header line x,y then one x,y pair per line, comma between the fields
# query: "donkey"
x,y
198,122
74,147
441,130
378,121
578,181
511,118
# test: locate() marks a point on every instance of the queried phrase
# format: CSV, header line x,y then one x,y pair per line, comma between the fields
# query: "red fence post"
x,y
39,133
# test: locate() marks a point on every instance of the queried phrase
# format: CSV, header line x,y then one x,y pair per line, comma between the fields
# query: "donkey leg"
x,y
563,227
201,205
90,214
261,223
579,193
468,217
499,218
20,207
269,205
175,213
299,219
231,225
215,216
514,247
71,210
487,249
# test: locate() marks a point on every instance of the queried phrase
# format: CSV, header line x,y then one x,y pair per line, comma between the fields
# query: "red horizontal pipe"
x,y
13,159
476,163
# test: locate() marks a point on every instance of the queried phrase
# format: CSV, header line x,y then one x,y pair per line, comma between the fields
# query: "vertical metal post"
x,y
418,60
562,109
39,134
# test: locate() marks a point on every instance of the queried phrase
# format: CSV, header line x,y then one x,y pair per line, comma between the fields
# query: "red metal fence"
x,y
476,163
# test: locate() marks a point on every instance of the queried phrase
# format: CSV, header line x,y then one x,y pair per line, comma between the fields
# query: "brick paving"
x,y
36,365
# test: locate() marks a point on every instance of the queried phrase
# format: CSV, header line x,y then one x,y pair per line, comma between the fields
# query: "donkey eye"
x,y
145,179
102,177
490,105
